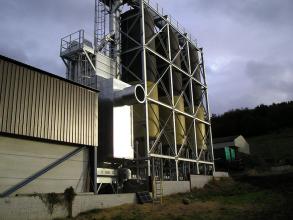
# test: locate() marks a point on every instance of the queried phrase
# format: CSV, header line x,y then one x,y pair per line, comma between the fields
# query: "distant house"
x,y
226,152
237,142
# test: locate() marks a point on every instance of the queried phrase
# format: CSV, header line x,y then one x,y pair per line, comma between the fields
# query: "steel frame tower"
x,y
173,137
188,157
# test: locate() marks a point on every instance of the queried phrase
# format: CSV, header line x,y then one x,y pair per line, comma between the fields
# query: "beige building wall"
x,y
242,144
20,158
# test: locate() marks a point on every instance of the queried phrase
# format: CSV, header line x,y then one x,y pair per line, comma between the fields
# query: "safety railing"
x,y
160,11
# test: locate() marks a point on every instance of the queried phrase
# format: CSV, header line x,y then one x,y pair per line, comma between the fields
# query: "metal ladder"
x,y
100,20
157,190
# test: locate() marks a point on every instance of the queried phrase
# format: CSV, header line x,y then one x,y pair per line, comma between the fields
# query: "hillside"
x,y
254,122
276,147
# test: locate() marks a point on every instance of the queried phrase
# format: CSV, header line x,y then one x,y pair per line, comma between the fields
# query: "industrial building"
x,y
46,121
229,152
132,111
237,141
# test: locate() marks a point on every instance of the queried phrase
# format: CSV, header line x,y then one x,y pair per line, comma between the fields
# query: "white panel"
x,y
21,158
123,138
105,66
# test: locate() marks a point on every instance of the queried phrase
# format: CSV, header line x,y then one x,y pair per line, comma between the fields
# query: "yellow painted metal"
x,y
201,129
153,111
179,119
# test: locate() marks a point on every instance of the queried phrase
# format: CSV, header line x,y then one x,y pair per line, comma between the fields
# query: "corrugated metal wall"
x,y
40,105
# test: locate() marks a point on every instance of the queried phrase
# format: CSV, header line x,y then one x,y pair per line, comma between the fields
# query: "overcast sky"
x,y
248,44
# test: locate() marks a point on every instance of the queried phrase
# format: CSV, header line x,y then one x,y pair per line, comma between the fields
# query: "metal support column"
x,y
144,69
95,170
208,112
173,102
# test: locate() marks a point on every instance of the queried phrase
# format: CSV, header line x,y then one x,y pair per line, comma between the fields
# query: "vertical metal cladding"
x,y
36,104
180,125
132,68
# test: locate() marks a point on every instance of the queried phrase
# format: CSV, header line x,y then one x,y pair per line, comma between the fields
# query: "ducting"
x,y
129,96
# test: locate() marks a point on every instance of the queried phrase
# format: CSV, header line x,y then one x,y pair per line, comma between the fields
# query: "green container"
x,y
232,154
227,153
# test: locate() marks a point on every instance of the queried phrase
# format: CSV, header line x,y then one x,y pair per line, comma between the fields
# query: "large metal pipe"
x,y
114,16
129,96
114,21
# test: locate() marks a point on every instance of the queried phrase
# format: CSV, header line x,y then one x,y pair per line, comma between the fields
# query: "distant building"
x,y
226,152
238,142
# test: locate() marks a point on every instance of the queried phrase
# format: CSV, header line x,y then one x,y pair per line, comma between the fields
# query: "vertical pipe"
x,y
192,99
95,170
172,95
162,163
137,159
177,171
144,70
95,26
95,34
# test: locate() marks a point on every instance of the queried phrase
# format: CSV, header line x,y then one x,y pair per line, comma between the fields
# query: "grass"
x,y
245,198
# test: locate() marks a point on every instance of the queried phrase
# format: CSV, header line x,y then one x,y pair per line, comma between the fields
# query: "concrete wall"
x,y
85,202
21,158
196,181
173,187
218,174
199,181
32,207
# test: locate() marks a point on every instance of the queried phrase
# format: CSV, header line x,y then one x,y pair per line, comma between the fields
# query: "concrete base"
x,y
199,181
219,175
33,208
196,181
173,187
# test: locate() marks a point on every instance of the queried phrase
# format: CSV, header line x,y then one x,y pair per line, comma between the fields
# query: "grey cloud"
x,y
13,52
31,30
271,76
266,12
247,44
